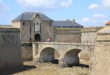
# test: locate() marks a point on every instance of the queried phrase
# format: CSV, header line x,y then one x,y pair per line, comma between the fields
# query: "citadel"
x,y
34,36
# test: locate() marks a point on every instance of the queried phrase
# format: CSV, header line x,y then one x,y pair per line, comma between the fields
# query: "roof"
x,y
70,24
29,16
108,23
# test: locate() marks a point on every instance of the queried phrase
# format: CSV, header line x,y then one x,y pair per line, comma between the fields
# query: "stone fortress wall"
x,y
77,35
26,51
10,43
101,58
68,35
84,35
10,48
89,34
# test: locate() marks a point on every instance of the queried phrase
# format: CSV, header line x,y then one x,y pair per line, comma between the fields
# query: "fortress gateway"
x,y
43,39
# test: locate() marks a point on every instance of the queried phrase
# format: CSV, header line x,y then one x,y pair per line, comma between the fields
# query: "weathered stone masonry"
x,y
101,60
10,48
27,51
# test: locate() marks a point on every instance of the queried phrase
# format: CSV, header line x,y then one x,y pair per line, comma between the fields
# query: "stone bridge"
x,y
65,53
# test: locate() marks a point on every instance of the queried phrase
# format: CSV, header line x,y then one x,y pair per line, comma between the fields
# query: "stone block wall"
x,y
68,35
47,31
27,51
89,34
10,48
101,60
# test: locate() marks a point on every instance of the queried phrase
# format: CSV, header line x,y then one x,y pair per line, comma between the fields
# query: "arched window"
x,y
37,38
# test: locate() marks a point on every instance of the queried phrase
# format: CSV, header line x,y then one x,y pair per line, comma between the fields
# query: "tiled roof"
x,y
29,15
70,24
108,23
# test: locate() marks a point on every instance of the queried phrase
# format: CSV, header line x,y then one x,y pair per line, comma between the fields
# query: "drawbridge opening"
x,y
71,58
49,55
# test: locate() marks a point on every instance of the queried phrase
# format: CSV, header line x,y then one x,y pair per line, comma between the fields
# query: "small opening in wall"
x,y
50,24
37,15
23,23
37,23
30,39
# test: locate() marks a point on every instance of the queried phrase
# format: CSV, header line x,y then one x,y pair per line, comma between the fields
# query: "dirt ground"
x,y
48,69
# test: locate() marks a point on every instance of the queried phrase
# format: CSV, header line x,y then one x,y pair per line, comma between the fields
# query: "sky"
x,y
86,12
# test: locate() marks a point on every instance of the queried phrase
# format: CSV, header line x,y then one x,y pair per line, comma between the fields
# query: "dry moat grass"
x,y
47,69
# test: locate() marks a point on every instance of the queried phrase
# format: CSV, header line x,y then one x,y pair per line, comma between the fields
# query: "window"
x,y
37,15
37,23
50,24
23,23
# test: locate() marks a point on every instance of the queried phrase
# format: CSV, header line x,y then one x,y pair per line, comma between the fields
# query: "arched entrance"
x,y
48,55
37,38
71,57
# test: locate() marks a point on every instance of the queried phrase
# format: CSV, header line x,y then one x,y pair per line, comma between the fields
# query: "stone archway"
x,y
37,38
49,55
71,57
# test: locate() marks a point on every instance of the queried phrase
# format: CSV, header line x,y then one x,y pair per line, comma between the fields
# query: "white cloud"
x,y
66,4
106,3
45,4
94,6
85,19
3,6
95,20
99,16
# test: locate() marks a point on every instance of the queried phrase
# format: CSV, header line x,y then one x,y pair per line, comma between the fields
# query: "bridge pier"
x,y
61,62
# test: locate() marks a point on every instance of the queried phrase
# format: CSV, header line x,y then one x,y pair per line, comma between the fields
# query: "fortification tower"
x,y
102,52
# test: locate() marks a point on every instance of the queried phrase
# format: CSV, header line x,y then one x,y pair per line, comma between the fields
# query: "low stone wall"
x,y
27,51
10,48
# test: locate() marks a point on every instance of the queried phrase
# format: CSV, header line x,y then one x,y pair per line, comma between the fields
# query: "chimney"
x,y
67,20
74,21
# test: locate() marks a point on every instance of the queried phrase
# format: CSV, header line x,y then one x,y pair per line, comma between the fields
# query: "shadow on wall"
x,y
16,70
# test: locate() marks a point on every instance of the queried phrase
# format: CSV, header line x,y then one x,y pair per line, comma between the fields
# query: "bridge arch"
x,y
71,57
49,54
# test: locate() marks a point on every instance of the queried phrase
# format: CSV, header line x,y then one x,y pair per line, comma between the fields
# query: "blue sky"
x,y
86,12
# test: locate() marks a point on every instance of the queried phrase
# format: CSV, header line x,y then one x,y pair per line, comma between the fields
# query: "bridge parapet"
x,y
61,43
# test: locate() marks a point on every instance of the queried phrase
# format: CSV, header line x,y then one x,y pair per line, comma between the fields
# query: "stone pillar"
x,y
101,65
61,62
35,51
